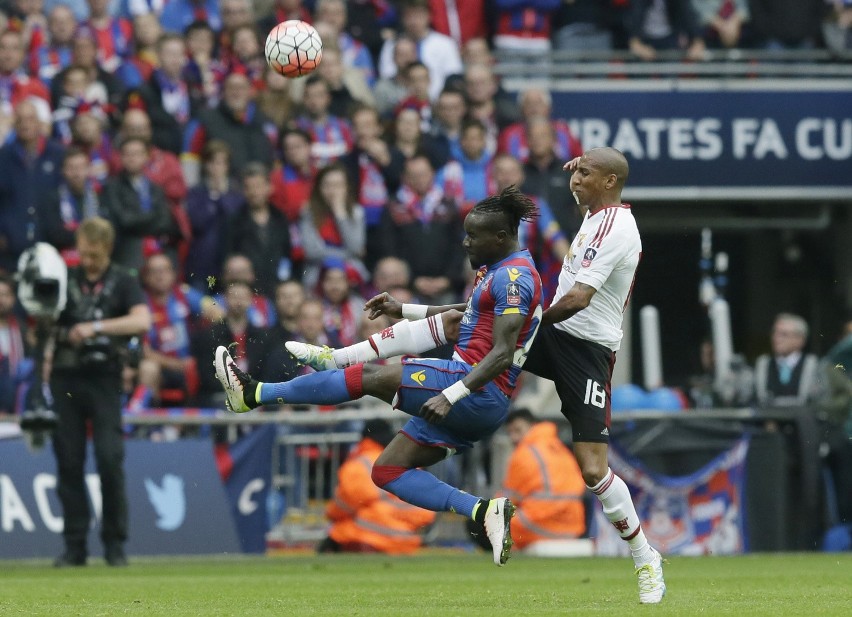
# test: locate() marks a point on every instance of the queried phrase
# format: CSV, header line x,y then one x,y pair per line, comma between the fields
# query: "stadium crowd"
x,y
258,209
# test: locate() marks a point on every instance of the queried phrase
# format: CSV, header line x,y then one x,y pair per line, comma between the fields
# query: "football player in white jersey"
x,y
580,333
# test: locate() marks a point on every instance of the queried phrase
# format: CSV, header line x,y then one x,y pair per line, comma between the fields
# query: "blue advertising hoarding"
x,y
719,140
178,503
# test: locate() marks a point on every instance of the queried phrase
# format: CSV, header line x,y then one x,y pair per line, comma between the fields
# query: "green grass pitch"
x,y
444,585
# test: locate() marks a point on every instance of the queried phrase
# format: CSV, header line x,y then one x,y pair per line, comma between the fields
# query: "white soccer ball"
x,y
293,48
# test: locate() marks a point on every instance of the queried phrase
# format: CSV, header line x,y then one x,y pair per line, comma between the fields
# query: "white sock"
x,y
619,510
405,337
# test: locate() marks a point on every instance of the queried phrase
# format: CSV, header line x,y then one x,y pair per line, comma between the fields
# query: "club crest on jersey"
x,y
588,256
513,294
419,377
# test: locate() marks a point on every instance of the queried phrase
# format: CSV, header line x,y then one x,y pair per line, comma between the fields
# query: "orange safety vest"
x,y
363,514
544,481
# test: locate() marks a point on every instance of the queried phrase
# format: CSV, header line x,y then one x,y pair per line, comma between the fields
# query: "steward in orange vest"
x,y
364,517
544,482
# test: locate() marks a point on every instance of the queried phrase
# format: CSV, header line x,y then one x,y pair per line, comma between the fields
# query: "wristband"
x,y
98,326
455,392
413,312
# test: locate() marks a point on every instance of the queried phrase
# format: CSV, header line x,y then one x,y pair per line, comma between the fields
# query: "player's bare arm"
x,y
578,298
386,304
505,334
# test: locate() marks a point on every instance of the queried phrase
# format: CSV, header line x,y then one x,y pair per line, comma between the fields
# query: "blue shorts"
x,y
472,418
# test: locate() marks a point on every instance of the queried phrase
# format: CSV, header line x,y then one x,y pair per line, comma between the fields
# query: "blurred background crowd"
x,y
258,209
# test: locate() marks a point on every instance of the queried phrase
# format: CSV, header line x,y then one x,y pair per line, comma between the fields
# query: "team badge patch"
x,y
419,377
588,256
513,294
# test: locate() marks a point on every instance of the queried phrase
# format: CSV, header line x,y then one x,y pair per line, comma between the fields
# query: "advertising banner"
x,y
792,140
177,501
698,514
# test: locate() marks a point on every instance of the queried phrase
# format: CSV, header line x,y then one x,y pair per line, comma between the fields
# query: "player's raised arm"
x,y
386,304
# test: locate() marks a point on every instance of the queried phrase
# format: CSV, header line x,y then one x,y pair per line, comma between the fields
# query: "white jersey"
x,y
604,254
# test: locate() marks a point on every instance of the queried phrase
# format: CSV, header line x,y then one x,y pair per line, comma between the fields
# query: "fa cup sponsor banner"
x,y
718,143
699,514
177,502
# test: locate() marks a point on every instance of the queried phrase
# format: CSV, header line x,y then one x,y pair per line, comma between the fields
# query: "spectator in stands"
x,y
74,201
89,131
283,10
165,95
333,13
247,54
137,208
16,84
545,178
237,267
235,14
423,226
113,36
331,136
72,97
722,21
450,112
167,362
788,376
29,171
543,236
364,519
475,162
250,342
261,232
461,21
346,87
437,51
787,24
654,25
333,225
407,136
537,103
293,180
544,482
163,168
274,99
289,297
237,122
488,102
54,53
13,346
78,7
390,273
524,25
178,14
29,18
837,26
585,25
203,69
389,91
138,67
417,98
210,207
101,85
375,171
372,22
342,307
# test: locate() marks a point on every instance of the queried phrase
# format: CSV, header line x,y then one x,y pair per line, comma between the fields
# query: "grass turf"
x,y
443,585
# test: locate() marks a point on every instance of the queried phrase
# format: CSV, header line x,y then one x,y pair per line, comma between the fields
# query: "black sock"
x,y
481,509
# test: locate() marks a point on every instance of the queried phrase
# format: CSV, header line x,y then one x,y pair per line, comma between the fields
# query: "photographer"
x,y
105,308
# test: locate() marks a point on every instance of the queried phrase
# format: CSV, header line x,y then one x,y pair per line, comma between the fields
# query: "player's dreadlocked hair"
x,y
512,204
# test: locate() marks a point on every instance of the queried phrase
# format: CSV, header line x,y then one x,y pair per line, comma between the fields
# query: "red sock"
x,y
354,376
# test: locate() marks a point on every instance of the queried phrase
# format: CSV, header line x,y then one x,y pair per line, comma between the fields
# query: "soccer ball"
x,y
293,48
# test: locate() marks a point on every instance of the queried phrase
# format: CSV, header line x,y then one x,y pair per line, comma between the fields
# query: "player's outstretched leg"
x,y
405,337
245,393
498,518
